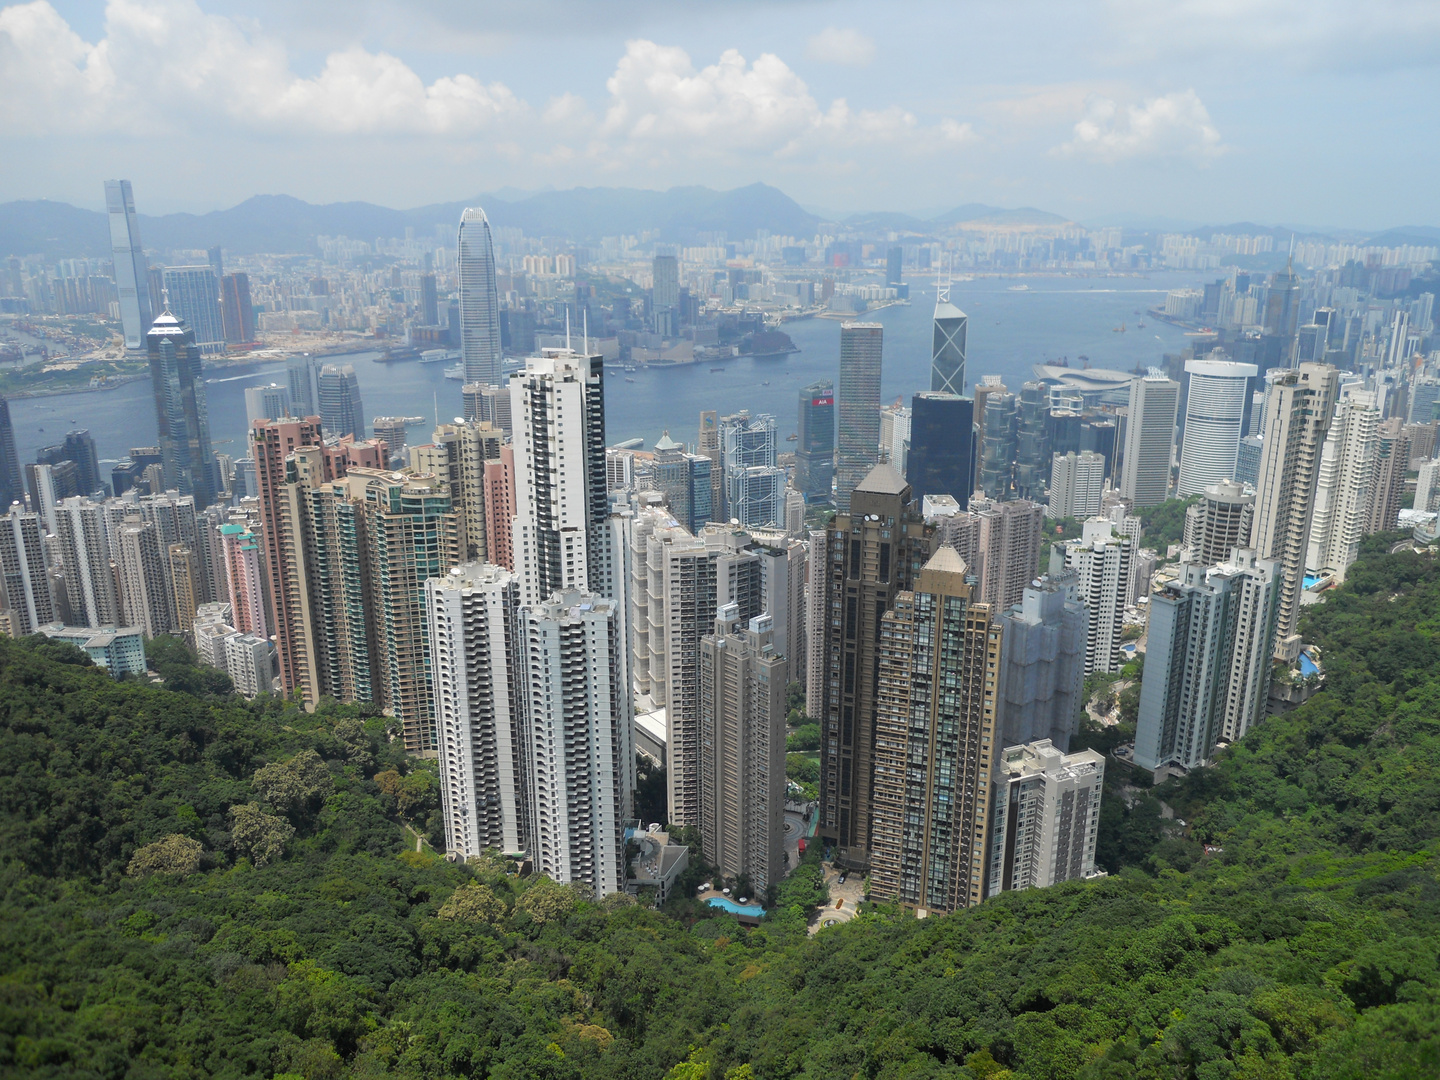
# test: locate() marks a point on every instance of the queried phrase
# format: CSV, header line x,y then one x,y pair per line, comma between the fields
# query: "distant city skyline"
x,y
1100,111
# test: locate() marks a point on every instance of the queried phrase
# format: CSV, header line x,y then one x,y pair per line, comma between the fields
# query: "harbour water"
x,y
1009,331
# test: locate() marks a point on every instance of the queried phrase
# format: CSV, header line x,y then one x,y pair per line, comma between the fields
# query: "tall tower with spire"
x,y
947,349
181,414
479,301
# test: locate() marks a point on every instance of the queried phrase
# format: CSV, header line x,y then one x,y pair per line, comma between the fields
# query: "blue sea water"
x,y
1009,331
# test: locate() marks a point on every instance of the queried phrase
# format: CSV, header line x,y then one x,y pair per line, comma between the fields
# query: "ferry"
x,y
457,372
1019,288
438,356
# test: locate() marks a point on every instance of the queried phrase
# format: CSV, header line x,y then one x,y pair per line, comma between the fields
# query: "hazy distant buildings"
x,y
269,402
194,296
857,412
480,346
132,274
237,314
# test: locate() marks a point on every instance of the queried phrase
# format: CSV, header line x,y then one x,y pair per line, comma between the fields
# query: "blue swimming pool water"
x,y
1307,666
755,911
1311,579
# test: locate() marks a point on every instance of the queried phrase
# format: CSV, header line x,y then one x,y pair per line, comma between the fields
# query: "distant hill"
x,y
969,214
281,224
1419,235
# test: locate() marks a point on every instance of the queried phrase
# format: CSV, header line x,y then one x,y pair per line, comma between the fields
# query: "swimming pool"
x,y
1307,666
755,911
1311,580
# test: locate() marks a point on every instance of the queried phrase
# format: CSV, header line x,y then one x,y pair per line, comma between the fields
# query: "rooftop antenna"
x,y
567,328
585,323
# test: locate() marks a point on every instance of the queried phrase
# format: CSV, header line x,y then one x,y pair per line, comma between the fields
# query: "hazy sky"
x,y
1320,112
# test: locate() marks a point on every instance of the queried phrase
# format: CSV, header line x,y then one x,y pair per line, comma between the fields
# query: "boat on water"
x,y
792,437
628,379
398,354
715,369
1118,329
1019,288
438,356
1139,326
457,372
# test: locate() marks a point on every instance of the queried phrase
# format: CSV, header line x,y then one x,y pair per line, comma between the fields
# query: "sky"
x,y
1318,113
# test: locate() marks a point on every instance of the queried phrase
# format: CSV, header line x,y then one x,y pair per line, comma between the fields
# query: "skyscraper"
x,y
341,410
85,551
479,709
237,315
665,295
579,738
754,485
942,446
561,499
999,448
947,346
876,548
11,486
1100,562
301,373
1149,440
935,732
815,444
181,413
25,600
429,300
500,509
132,275
479,302
1208,660
1045,818
144,585
1077,483
1392,460
1298,407
742,748
857,410
1219,523
269,402
1042,666
1214,414
894,263
194,297
1344,486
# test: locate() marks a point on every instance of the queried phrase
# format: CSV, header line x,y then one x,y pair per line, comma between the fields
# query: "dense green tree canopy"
x,y
199,886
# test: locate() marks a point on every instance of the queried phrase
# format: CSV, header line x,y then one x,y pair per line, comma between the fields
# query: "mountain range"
x,y
282,224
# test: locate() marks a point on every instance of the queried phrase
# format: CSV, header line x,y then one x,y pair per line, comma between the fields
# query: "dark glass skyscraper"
x,y
857,411
815,448
942,446
180,411
10,483
479,302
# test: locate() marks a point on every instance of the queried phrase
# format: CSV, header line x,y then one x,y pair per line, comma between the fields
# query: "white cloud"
x,y
956,132
836,46
657,96
1173,126
164,63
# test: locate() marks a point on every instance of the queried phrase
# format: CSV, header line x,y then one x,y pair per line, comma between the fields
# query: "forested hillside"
x,y
197,886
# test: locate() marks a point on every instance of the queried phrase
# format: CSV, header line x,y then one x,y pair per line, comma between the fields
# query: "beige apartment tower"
x,y
935,733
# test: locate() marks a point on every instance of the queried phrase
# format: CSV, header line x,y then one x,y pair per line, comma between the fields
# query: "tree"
x,y
473,902
546,901
176,854
258,835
